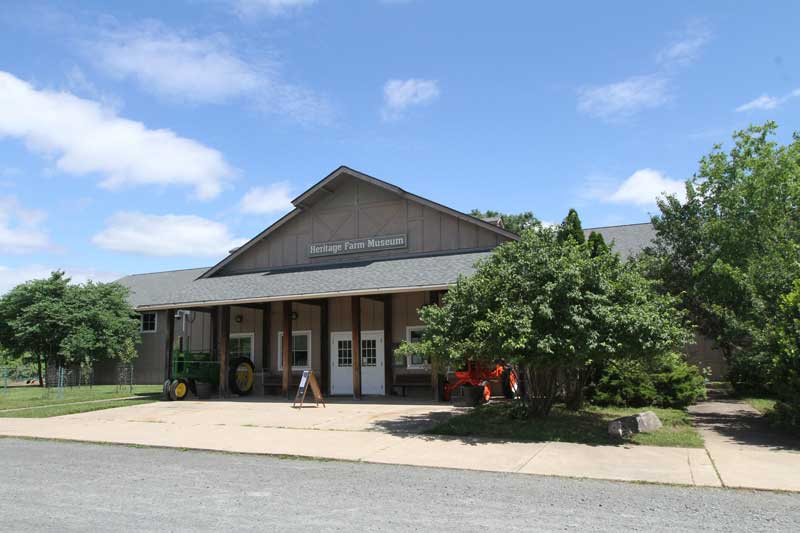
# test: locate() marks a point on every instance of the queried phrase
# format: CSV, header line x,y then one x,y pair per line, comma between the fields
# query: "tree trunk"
x,y
575,384
541,385
39,366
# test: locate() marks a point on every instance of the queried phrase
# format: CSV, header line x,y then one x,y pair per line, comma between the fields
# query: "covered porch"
x,y
347,341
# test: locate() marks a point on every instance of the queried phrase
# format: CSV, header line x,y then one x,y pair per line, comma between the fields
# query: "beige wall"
x,y
358,209
703,354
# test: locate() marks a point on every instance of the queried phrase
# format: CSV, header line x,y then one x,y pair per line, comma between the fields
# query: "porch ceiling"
x,y
369,277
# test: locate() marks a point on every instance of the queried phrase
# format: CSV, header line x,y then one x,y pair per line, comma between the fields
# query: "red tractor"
x,y
478,375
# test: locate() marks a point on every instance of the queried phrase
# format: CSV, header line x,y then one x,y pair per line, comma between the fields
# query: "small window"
x,y
414,335
149,322
241,345
301,350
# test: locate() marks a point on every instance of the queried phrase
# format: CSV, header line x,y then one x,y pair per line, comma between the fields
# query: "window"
x,y
414,335
241,345
344,353
149,323
369,352
301,350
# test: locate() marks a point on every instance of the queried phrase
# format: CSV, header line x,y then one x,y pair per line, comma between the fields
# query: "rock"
x,y
626,426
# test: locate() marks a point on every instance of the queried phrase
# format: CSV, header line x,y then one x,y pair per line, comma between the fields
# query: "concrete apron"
x,y
324,437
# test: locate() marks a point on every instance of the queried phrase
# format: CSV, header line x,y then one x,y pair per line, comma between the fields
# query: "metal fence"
x,y
59,378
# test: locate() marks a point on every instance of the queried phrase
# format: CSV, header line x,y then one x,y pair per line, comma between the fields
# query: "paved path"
x,y
745,451
56,486
354,431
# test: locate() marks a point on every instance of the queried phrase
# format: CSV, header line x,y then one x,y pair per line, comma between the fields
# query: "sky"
x,y
146,136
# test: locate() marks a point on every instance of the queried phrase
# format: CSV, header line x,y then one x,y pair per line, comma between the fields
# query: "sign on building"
x,y
354,246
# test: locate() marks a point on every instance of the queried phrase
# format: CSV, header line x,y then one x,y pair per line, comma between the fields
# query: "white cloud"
x,y
247,9
644,186
766,102
10,277
166,235
687,46
202,69
87,138
21,229
398,95
273,198
624,99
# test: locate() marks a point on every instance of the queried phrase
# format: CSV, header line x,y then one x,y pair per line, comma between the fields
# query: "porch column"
x,y
388,356
214,340
168,343
286,348
223,345
266,343
435,299
355,307
325,347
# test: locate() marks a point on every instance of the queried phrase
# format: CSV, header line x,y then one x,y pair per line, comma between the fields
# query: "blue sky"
x,y
146,136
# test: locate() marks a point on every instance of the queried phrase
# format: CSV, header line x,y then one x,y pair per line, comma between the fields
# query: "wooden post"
x,y
325,347
224,344
214,326
286,348
266,318
355,307
388,356
169,342
433,299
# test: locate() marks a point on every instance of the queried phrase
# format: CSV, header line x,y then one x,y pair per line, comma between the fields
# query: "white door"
x,y
372,369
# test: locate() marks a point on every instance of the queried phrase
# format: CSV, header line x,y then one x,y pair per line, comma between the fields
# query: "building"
x,y
336,283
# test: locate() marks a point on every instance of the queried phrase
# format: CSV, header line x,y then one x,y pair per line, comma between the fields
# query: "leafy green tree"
x,y
597,244
33,318
56,321
730,250
516,223
546,306
101,323
571,228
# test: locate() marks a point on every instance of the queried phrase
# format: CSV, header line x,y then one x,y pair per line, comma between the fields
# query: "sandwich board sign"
x,y
308,380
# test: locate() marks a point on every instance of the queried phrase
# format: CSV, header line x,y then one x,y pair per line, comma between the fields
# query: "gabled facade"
x,y
344,273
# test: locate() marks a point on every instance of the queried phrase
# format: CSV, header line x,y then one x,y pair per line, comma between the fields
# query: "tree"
x,y
515,223
100,322
546,305
33,318
597,244
56,321
571,228
730,250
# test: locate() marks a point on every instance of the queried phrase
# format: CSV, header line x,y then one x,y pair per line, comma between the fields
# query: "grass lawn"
x,y
588,426
762,405
36,402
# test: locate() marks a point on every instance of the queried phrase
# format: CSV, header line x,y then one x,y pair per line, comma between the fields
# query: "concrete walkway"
x,y
745,451
355,431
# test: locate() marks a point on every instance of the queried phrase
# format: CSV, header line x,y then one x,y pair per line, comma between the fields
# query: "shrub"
x,y
666,382
786,415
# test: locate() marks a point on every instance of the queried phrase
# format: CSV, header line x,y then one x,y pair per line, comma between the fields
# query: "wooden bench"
x,y
273,382
411,381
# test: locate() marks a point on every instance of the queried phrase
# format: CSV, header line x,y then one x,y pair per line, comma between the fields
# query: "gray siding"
x,y
357,209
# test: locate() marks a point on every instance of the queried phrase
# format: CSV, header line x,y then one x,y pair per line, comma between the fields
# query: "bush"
x,y
786,415
666,382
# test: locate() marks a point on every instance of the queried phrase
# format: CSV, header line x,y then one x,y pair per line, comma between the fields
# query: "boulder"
x,y
626,426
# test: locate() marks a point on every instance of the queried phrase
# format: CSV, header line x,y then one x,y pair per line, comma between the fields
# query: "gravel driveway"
x,y
49,485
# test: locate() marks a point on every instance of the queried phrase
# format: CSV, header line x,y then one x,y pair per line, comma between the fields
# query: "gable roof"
x,y
144,289
302,201
628,239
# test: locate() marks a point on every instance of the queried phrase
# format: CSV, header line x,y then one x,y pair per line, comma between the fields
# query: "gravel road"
x,y
71,486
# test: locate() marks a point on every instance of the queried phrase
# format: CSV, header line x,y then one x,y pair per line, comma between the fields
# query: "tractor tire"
x,y
242,376
179,390
510,382
165,395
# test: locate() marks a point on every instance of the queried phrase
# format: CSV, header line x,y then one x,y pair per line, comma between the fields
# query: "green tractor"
x,y
192,368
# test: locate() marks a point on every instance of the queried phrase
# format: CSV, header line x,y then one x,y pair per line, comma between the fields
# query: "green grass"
x,y
588,426
36,402
762,405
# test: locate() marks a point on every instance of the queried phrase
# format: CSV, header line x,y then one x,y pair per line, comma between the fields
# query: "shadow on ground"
x,y
745,427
